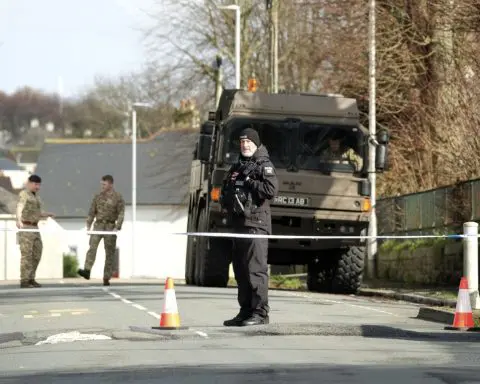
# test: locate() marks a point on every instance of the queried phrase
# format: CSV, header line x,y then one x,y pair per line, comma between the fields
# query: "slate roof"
x,y
9,165
71,172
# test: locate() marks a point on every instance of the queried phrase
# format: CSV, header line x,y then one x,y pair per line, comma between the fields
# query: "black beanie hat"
x,y
250,134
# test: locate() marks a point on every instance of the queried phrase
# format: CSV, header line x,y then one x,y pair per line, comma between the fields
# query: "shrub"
x,y
70,265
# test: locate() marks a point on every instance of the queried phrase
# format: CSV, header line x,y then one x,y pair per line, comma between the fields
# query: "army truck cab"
x,y
320,152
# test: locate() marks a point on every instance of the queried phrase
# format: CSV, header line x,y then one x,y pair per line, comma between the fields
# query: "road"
x,y
311,338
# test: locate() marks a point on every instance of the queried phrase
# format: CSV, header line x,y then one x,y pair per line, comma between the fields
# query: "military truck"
x,y
317,196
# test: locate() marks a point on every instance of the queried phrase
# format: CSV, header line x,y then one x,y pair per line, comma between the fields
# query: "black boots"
x,y
85,273
242,320
29,284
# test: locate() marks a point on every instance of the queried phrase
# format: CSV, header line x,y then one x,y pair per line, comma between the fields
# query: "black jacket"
x,y
255,182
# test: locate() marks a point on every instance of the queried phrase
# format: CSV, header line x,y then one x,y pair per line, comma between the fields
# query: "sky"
x,y
61,45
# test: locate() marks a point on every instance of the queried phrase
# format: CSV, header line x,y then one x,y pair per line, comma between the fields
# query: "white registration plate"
x,y
290,200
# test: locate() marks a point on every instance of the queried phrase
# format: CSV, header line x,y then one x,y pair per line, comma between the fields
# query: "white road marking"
x,y
361,306
71,337
156,315
138,306
28,316
200,333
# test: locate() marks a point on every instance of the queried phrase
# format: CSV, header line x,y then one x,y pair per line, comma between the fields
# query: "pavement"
x,y
80,331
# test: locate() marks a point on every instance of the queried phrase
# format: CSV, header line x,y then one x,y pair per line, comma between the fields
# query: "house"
x,y
17,174
51,265
71,172
26,157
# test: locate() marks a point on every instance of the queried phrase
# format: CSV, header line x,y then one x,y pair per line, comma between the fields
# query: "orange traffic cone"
x,y
170,318
463,319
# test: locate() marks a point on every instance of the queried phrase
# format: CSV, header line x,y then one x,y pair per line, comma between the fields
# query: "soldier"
x,y
248,187
29,213
338,151
108,208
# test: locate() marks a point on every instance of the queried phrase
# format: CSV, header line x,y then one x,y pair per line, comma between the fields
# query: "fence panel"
x,y
424,212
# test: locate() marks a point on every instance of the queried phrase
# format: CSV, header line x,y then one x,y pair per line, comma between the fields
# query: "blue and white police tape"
x,y
248,235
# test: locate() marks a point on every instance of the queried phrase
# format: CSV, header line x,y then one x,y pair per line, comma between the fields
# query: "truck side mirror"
x,y
381,150
204,144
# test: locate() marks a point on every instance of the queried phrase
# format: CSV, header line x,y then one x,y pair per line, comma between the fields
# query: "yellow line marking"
x,y
68,310
56,313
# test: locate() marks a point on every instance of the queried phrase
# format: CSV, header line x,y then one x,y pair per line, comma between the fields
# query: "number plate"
x,y
294,201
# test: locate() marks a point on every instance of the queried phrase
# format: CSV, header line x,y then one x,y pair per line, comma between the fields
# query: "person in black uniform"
x,y
248,187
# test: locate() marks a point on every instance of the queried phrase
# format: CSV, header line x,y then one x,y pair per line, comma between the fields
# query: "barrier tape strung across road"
x,y
247,235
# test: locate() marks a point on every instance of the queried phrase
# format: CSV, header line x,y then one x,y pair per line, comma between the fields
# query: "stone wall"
x,y
436,265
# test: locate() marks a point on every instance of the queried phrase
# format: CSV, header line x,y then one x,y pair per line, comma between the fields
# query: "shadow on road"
x,y
279,374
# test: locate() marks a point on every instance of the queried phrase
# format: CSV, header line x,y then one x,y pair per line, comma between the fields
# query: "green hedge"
x,y
70,266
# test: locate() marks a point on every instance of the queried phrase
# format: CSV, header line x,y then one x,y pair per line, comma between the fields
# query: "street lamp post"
x,y
134,174
372,230
235,8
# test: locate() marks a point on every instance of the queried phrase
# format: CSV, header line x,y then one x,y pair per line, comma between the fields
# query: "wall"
x,y
157,255
17,178
29,167
51,264
438,265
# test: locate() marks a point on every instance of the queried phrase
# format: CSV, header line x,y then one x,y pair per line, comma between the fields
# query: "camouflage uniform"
x,y
107,208
344,154
31,245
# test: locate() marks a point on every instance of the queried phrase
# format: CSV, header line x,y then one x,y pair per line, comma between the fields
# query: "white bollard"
x,y
470,261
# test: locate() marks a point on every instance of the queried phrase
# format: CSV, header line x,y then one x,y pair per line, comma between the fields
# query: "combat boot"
x,y
26,284
35,284
85,273
106,282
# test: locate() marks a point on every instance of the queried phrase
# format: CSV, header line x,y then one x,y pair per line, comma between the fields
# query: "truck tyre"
x,y
190,254
348,272
213,256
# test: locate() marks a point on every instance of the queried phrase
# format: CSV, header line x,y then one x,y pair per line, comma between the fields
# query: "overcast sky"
x,y
44,40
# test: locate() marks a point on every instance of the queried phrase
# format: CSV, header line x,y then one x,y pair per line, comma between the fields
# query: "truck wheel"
x,y
348,272
320,274
213,257
190,254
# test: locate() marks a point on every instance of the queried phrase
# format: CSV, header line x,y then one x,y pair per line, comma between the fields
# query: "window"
x,y
300,145
273,134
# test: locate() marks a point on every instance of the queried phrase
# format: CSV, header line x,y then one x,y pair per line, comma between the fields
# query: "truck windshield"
x,y
301,145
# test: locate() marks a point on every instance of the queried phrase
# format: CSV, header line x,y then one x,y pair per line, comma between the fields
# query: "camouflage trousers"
x,y
31,247
110,245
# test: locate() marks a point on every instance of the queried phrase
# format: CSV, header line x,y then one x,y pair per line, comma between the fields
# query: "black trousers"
x,y
251,272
